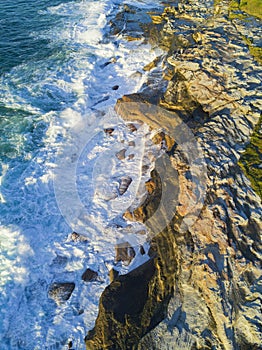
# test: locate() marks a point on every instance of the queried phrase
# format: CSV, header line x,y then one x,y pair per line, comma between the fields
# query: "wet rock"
x,y
131,127
145,169
115,87
130,22
151,203
131,156
135,215
124,252
60,260
142,250
61,292
152,64
121,154
124,184
122,305
109,131
141,232
89,275
112,60
76,237
150,186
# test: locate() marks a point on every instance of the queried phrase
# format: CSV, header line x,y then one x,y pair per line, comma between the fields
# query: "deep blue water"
x,y
23,47
21,22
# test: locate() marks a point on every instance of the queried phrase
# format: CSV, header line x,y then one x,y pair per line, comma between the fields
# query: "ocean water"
x,y
58,66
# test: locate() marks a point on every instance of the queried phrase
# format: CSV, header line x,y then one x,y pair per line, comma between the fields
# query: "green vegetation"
x,y
251,160
252,7
234,10
256,52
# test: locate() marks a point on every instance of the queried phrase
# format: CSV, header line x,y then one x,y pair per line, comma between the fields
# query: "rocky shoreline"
x,y
201,288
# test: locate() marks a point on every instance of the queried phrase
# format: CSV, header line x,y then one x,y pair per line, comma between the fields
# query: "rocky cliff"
x,y
201,288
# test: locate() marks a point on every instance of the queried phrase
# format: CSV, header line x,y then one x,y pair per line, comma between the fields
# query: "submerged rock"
x,y
124,183
61,292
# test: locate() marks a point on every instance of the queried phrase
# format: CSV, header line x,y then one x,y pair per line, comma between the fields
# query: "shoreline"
x,y
208,264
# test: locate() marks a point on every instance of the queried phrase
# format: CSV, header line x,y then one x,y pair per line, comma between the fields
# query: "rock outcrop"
x,y
202,287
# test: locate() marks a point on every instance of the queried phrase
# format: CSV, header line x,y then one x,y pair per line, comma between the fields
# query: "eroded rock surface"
x,y
202,287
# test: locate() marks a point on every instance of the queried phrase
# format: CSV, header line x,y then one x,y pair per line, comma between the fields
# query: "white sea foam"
x,y
38,250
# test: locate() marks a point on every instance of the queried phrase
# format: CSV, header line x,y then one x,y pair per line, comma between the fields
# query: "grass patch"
x,y
234,11
255,51
252,7
251,159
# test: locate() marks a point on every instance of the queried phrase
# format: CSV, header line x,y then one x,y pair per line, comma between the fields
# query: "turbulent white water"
x,y
56,95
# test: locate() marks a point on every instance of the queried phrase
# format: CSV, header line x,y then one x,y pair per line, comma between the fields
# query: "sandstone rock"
x,y
124,252
109,131
120,324
203,288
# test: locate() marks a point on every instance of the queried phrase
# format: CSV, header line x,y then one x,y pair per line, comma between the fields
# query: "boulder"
x,y
124,252
89,275
60,292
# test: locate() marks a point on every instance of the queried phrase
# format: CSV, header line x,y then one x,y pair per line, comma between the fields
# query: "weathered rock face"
x,y
135,303
202,287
